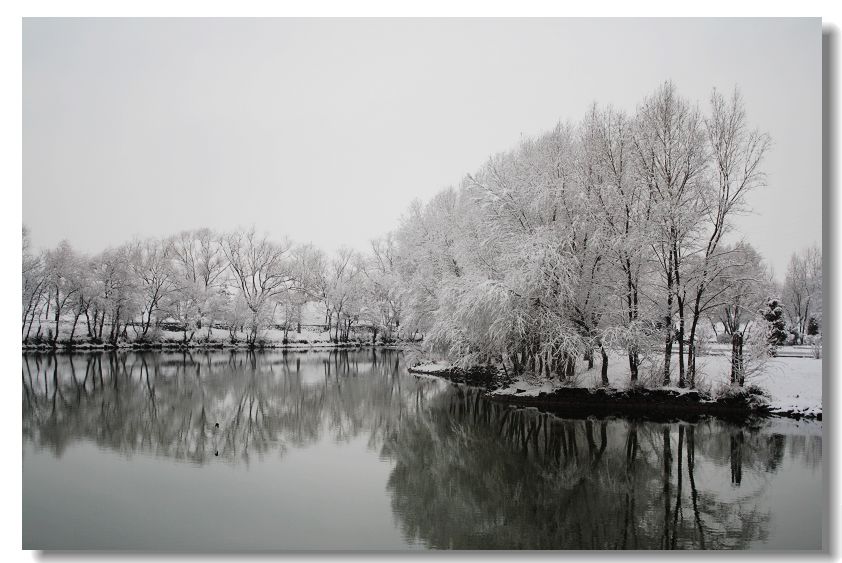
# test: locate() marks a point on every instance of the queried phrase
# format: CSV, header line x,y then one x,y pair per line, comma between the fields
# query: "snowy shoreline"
x,y
174,346
216,339
789,389
178,345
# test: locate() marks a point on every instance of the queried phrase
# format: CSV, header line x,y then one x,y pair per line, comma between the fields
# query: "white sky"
x,y
325,130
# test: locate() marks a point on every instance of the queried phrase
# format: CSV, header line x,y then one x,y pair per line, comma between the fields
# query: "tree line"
x,y
200,279
608,233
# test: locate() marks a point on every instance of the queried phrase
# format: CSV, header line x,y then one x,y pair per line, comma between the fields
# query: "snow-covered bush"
x,y
652,374
703,381
723,338
153,335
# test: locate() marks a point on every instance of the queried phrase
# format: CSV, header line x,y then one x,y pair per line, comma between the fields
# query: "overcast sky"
x,y
326,130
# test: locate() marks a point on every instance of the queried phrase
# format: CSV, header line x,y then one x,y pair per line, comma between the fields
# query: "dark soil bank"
x,y
641,403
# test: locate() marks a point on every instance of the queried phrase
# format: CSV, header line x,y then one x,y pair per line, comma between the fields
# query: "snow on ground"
x,y
792,384
432,368
528,386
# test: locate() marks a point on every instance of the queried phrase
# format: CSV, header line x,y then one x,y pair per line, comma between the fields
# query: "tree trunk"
x,y
691,351
736,357
115,327
88,323
31,321
681,381
667,355
73,328
668,324
604,372
58,319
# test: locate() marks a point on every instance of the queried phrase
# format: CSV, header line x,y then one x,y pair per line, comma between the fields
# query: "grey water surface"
x,y
347,450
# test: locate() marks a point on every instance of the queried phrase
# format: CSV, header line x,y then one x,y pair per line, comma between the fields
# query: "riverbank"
x,y
788,387
170,346
215,339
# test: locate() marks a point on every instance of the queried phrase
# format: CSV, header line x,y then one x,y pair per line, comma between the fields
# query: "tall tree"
x,y
62,267
150,261
736,153
671,160
262,272
33,283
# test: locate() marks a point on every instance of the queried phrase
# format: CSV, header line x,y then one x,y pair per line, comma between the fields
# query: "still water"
x,y
346,450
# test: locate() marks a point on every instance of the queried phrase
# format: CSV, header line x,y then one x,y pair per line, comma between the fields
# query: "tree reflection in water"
x,y
475,474
169,404
468,472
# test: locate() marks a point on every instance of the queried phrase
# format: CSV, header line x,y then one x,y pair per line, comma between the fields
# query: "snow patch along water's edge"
x,y
768,396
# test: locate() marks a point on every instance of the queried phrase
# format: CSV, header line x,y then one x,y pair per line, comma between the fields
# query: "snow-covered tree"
x,y
382,292
150,260
619,208
735,152
119,296
63,268
802,291
670,161
198,265
737,286
342,292
776,324
33,285
594,234
262,271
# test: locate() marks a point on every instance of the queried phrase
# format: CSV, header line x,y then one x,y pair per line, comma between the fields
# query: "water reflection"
x,y
467,473
475,474
170,404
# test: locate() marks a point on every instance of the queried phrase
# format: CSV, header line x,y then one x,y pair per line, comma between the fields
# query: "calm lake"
x,y
239,451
